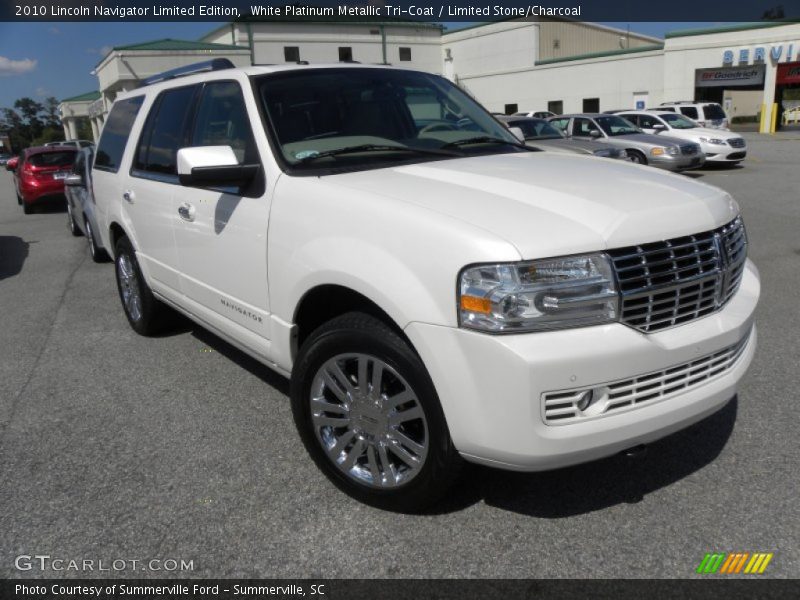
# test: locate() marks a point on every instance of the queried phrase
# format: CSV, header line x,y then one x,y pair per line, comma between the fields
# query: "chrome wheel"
x,y
129,287
369,420
90,239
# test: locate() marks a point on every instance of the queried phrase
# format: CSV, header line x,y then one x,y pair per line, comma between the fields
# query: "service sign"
x,y
730,76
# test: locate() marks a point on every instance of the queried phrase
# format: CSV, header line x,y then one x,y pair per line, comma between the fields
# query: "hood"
x,y
549,204
556,145
717,133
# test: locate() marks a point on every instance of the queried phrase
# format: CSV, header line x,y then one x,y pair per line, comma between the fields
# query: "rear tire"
x,y
71,224
637,157
19,199
27,209
145,314
368,414
98,254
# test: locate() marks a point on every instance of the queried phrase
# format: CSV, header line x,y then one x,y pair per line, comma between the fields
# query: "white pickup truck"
x,y
436,291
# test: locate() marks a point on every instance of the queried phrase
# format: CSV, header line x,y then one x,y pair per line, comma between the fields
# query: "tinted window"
x,y
582,127
116,132
645,121
52,159
713,111
222,121
291,53
78,165
164,132
689,111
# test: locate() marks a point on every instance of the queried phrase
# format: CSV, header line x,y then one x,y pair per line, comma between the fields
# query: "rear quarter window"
x,y
689,111
115,134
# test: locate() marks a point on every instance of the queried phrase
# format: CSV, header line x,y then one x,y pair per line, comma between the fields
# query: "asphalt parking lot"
x,y
115,446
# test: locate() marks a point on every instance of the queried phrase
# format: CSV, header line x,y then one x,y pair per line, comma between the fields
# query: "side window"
x,y
115,134
635,119
647,122
689,111
222,121
164,132
560,124
582,127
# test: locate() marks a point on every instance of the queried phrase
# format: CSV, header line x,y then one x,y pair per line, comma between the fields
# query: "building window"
x,y
510,109
405,53
591,105
291,53
345,54
556,107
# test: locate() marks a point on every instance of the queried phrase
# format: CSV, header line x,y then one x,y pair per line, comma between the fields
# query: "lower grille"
x,y
561,408
736,142
735,155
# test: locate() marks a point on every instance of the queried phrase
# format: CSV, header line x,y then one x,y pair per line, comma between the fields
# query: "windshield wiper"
x,y
374,148
484,139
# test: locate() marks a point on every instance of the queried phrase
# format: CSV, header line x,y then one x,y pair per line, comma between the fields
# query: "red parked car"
x,y
39,175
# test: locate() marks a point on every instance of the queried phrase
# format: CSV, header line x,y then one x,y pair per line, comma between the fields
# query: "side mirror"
x,y
11,165
595,133
73,179
659,127
213,166
518,133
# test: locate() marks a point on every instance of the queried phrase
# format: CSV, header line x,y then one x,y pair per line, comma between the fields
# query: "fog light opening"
x,y
589,401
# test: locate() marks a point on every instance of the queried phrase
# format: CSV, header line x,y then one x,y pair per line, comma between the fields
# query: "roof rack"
x,y
677,102
216,64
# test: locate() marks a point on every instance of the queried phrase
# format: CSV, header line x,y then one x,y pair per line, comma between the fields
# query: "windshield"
x,y
678,121
535,129
353,117
614,125
714,111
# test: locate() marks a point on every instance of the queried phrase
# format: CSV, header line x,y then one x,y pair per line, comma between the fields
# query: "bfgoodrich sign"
x,y
730,77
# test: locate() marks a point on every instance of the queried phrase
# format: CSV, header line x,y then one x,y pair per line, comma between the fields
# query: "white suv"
x,y
436,291
705,114
718,145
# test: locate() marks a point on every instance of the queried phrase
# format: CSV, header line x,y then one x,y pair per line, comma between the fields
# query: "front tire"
x,y
368,414
637,157
27,209
144,312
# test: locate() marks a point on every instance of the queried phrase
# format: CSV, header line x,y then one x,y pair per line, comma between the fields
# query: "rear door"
x,y
221,234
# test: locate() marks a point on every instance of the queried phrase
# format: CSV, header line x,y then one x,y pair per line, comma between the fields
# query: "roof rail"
x,y
216,64
677,102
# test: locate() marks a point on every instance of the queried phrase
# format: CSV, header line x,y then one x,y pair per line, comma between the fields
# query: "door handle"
x,y
128,196
186,211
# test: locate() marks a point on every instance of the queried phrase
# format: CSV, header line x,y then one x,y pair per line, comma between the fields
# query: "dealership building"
x,y
752,70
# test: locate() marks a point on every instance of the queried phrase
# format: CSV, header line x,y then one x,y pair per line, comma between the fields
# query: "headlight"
x,y
603,153
659,151
715,141
571,291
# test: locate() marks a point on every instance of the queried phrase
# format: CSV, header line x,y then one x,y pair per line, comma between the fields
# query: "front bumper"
x,y
491,386
677,162
723,154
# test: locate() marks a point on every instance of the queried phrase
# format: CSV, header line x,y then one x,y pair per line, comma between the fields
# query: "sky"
x,y
38,60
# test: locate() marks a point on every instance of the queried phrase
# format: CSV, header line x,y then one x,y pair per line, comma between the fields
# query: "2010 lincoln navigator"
x,y
436,291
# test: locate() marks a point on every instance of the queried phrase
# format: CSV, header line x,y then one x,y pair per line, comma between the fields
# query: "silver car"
x,y
541,134
81,219
659,151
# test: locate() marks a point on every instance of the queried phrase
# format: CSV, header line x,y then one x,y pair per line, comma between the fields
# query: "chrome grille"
x,y
690,149
668,283
736,142
561,408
